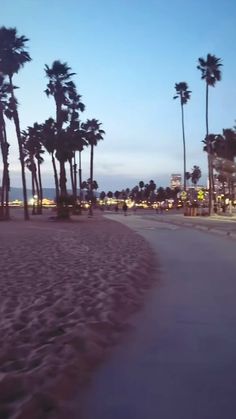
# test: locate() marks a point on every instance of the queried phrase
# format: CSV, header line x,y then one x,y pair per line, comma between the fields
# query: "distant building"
x,y
175,181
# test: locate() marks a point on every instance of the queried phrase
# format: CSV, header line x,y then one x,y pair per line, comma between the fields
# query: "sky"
x,y
127,56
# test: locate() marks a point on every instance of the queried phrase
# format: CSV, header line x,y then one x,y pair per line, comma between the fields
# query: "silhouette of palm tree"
x,y
4,111
183,94
13,56
210,73
94,134
61,87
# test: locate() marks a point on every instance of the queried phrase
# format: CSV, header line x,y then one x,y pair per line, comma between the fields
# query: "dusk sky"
x,y
128,55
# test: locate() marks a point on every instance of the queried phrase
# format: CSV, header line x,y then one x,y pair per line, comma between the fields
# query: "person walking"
x,y
125,208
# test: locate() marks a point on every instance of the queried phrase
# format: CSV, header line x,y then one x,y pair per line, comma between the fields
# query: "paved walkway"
x,y
180,360
223,225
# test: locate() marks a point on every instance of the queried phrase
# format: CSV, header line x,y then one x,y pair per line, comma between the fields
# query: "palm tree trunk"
x,y
72,177
62,178
37,190
229,187
5,175
62,182
55,177
75,177
91,166
7,180
80,170
7,192
21,155
184,145
2,212
80,174
91,180
33,190
2,209
40,187
210,171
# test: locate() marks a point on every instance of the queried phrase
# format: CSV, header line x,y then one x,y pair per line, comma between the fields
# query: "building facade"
x,y
175,181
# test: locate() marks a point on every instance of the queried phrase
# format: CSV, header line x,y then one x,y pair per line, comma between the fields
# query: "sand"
x,y
67,289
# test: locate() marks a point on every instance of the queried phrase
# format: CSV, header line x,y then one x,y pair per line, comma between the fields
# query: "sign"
x,y
200,195
184,195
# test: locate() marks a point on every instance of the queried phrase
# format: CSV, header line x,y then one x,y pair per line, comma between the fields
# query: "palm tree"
x,y
135,194
60,87
210,70
4,111
183,94
93,134
80,147
39,158
90,186
78,140
229,136
141,186
117,194
32,143
110,194
102,195
64,153
30,164
161,194
196,174
168,192
49,141
149,189
13,56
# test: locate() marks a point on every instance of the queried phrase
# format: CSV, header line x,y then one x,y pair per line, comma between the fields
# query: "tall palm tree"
x,y
13,56
32,143
39,158
77,138
30,164
76,142
183,94
80,147
210,73
60,86
4,111
229,136
49,141
94,134
29,157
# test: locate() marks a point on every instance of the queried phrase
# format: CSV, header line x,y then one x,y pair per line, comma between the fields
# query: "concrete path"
x,y
222,225
180,360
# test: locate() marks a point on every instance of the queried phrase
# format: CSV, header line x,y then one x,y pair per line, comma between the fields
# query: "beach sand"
x,y
67,289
